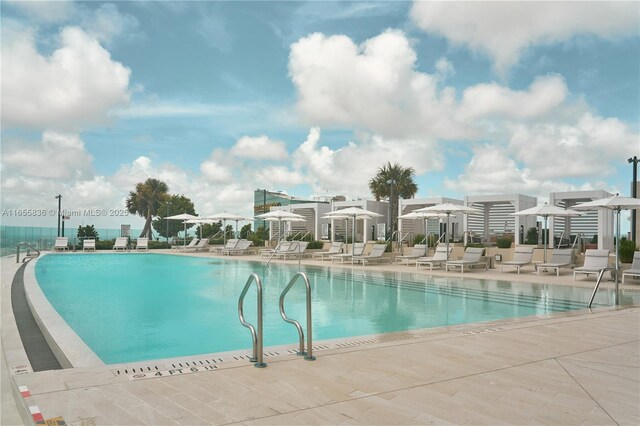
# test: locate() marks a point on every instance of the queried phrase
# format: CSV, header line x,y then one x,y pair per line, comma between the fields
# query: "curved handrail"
x,y
29,247
256,336
595,288
309,353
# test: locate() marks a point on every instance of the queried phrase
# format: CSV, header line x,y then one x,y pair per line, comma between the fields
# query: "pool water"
x,y
133,307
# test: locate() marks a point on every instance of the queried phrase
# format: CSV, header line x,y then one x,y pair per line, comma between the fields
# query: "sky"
x,y
218,99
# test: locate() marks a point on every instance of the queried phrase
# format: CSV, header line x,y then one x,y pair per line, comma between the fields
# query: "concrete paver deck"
x,y
575,368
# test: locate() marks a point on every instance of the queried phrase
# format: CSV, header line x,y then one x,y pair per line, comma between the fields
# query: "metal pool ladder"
x,y
308,355
600,276
256,335
29,254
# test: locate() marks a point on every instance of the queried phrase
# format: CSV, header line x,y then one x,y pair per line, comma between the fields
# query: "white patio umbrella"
x,y
617,204
183,217
423,215
448,208
224,216
546,211
353,213
281,216
346,223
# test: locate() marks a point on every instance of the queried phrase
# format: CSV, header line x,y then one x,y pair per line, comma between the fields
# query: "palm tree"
x,y
146,200
392,182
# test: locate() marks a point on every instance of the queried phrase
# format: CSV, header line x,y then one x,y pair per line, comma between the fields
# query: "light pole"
x,y
634,194
59,197
391,183
168,203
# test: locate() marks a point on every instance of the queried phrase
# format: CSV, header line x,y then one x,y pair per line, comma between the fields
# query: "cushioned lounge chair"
x,y
121,243
242,247
191,245
439,258
62,243
295,250
203,245
594,262
376,255
521,257
357,249
282,247
142,244
89,245
634,271
229,245
561,258
336,248
472,257
417,252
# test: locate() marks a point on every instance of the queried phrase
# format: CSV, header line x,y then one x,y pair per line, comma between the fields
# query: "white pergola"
x,y
512,203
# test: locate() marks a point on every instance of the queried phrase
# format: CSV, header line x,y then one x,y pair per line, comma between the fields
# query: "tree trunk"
x,y
147,227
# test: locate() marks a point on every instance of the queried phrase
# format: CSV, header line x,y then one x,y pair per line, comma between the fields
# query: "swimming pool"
x,y
133,307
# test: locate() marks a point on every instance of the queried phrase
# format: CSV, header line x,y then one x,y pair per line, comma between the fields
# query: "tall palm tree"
x,y
392,182
146,200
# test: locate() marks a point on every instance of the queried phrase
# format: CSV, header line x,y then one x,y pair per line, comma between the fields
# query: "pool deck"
x,y
570,368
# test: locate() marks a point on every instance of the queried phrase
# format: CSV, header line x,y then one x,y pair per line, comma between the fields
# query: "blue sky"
x,y
220,98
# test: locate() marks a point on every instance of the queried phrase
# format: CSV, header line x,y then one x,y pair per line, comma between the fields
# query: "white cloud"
x,y
347,170
56,156
280,175
490,100
381,93
76,86
50,12
107,23
502,30
260,147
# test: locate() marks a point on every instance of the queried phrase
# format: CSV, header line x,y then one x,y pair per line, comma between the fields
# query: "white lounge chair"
x,y
121,243
62,243
634,271
561,258
229,245
357,249
202,245
89,245
594,262
142,244
282,247
472,257
336,248
191,244
521,257
296,249
376,255
242,247
439,258
417,252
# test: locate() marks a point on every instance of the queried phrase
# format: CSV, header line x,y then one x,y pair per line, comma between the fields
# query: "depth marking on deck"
x,y
172,372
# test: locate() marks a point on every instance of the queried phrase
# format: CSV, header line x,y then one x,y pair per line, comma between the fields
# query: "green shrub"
x,y
627,248
315,245
504,242
418,239
105,244
155,245
475,245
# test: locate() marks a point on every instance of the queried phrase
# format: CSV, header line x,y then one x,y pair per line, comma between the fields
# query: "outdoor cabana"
x,y
366,229
434,226
598,222
312,213
498,218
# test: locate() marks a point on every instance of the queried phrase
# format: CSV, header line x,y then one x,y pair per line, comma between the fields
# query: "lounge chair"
x,y
282,247
89,244
417,252
229,245
521,257
376,255
356,250
594,262
121,243
203,245
62,243
472,257
296,249
191,245
336,248
634,271
242,247
561,258
439,258
142,244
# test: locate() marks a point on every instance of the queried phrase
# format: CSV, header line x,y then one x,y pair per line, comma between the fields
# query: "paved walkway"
x,y
573,368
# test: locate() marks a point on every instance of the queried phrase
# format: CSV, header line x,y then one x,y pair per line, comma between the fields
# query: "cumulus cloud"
x,y
347,169
76,86
502,30
382,92
56,156
49,12
260,147
494,100
107,23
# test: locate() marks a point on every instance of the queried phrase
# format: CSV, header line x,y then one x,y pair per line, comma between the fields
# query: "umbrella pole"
x,y
353,233
545,238
616,298
184,239
446,234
